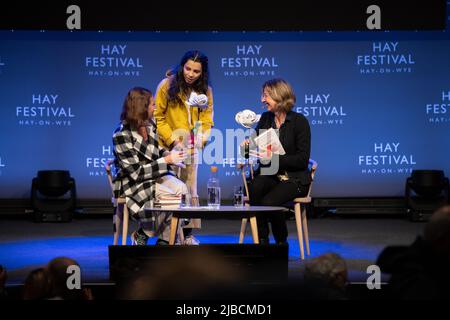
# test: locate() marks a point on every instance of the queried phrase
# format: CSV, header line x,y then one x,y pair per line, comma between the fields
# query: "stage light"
x,y
426,191
49,196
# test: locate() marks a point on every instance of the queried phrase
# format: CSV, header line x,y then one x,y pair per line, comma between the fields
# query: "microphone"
x,y
247,150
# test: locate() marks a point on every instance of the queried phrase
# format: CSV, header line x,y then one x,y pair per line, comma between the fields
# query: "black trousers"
x,y
270,191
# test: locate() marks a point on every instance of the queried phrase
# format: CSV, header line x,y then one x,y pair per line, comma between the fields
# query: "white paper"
x,y
270,138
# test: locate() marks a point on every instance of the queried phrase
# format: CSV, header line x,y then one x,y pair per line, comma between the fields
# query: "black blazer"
x,y
295,136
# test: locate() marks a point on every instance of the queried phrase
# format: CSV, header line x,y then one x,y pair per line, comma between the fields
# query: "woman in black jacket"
x,y
281,178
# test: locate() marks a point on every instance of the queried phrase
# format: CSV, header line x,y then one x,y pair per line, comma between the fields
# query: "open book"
x,y
268,141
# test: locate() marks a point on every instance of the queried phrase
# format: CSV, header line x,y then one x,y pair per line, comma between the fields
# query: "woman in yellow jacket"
x,y
184,117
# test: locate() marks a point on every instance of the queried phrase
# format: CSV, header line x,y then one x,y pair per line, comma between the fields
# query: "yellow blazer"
x,y
171,116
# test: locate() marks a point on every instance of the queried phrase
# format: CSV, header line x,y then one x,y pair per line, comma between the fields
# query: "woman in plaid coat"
x,y
143,167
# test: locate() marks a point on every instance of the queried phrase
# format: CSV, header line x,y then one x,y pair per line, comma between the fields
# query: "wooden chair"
x,y
242,167
121,202
299,208
300,214
118,202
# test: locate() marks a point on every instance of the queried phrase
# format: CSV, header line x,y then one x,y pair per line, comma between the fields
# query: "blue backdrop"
x,y
378,103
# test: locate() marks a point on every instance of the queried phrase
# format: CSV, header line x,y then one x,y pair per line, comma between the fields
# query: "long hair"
x,y
281,92
135,107
177,82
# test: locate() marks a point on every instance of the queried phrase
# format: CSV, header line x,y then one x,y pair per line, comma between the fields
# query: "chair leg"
x,y
195,202
254,226
243,227
117,223
125,224
180,233
173,230
298,222
305,229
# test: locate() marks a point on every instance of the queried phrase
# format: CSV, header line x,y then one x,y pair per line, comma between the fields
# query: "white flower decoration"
x,y
199,100
247,118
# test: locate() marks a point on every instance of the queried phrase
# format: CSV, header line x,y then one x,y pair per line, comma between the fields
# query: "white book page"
x,y
269,140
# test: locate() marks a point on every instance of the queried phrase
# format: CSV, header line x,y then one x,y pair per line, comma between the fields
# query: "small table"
x,y
223,212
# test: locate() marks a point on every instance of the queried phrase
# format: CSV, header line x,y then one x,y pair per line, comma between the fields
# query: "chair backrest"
x,y
109,175
312,167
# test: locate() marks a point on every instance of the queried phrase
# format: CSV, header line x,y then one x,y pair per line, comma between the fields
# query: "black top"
x,y
295,136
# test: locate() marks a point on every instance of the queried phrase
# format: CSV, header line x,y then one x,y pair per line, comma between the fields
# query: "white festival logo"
x,y
385,58
439,112
113,62
249,62
386,159
319,109
45,111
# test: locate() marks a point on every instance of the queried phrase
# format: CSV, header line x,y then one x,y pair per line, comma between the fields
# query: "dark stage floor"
x,y
25,245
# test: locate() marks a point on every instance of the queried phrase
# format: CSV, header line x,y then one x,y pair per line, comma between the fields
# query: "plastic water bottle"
x,y
213,189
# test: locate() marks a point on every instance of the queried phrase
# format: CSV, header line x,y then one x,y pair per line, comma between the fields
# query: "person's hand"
x,y
177,145
245,148
166,153
108,165
199,100
263,154
245,142
176,157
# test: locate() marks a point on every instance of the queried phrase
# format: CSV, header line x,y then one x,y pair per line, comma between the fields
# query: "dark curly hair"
x,y
177,82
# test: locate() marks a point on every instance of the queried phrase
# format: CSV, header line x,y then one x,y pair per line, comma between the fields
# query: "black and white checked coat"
x,y
138,164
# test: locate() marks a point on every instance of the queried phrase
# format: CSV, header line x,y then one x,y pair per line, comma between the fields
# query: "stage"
x,y
25,245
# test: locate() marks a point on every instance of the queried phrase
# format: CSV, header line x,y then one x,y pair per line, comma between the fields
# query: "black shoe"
x,y
264,241
139,238
284,243
161,242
